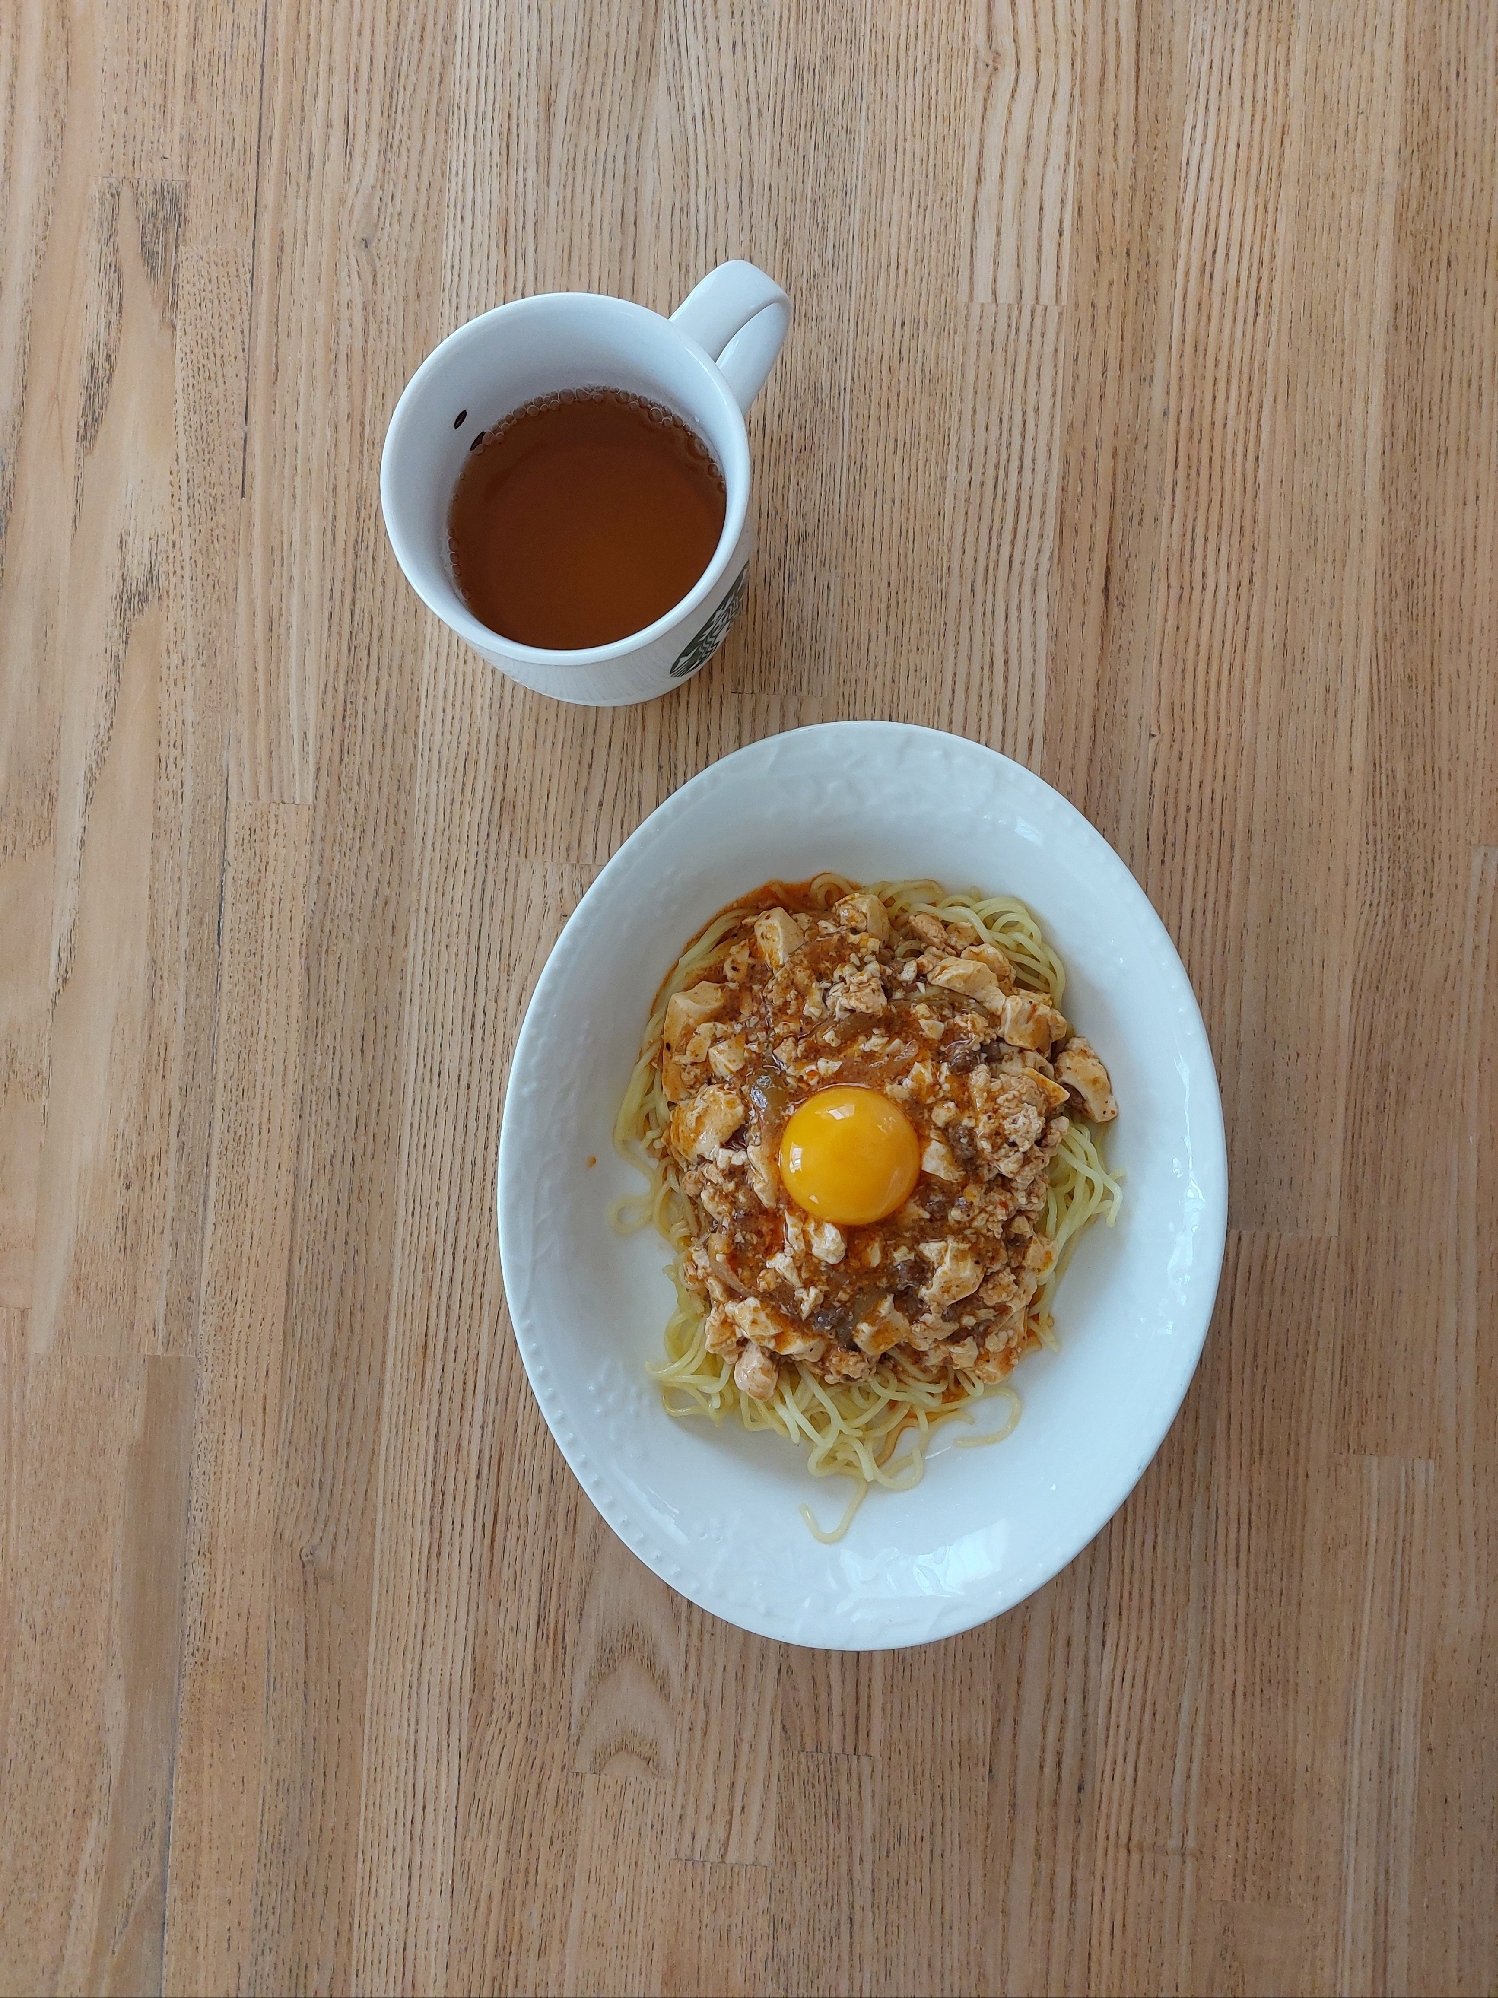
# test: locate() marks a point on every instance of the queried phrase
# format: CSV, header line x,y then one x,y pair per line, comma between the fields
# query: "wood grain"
x,y
1140,418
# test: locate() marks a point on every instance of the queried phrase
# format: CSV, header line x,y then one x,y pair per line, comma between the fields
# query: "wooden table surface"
x,y
1140,418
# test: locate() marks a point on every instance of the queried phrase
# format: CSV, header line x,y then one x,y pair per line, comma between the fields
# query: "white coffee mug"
x,y
707,363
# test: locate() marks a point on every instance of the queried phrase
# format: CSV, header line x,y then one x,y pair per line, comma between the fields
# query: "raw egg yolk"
x,y
850,1155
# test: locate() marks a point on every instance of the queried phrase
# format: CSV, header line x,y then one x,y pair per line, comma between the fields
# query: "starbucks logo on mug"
x,y
712,634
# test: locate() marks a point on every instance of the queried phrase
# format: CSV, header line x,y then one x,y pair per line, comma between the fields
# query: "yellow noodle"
x,y
860,1493
1016,1410
853,1430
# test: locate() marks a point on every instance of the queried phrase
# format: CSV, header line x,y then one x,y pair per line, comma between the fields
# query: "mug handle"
x,y
740,316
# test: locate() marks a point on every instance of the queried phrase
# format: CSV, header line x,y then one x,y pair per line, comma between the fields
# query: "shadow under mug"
x,y
707,363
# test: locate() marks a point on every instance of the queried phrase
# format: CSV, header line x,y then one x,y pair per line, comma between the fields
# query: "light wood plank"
x,y
1375,1550
728,1766
1434,765
91,1669
1040,1811
718,1935
1273,1485
1025,130
224,1692
109,864
614,1931
826,1924
1457,1806
1002,501
934,1790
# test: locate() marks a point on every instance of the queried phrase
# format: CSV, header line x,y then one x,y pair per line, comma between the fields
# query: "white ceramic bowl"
x,y
714,1511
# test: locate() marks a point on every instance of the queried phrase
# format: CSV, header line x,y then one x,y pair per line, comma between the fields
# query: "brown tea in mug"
x,y
582,518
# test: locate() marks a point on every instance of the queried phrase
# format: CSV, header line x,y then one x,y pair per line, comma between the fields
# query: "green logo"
x,y
705,644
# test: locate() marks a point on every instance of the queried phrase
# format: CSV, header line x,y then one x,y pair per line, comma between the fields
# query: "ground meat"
x,y
799,995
